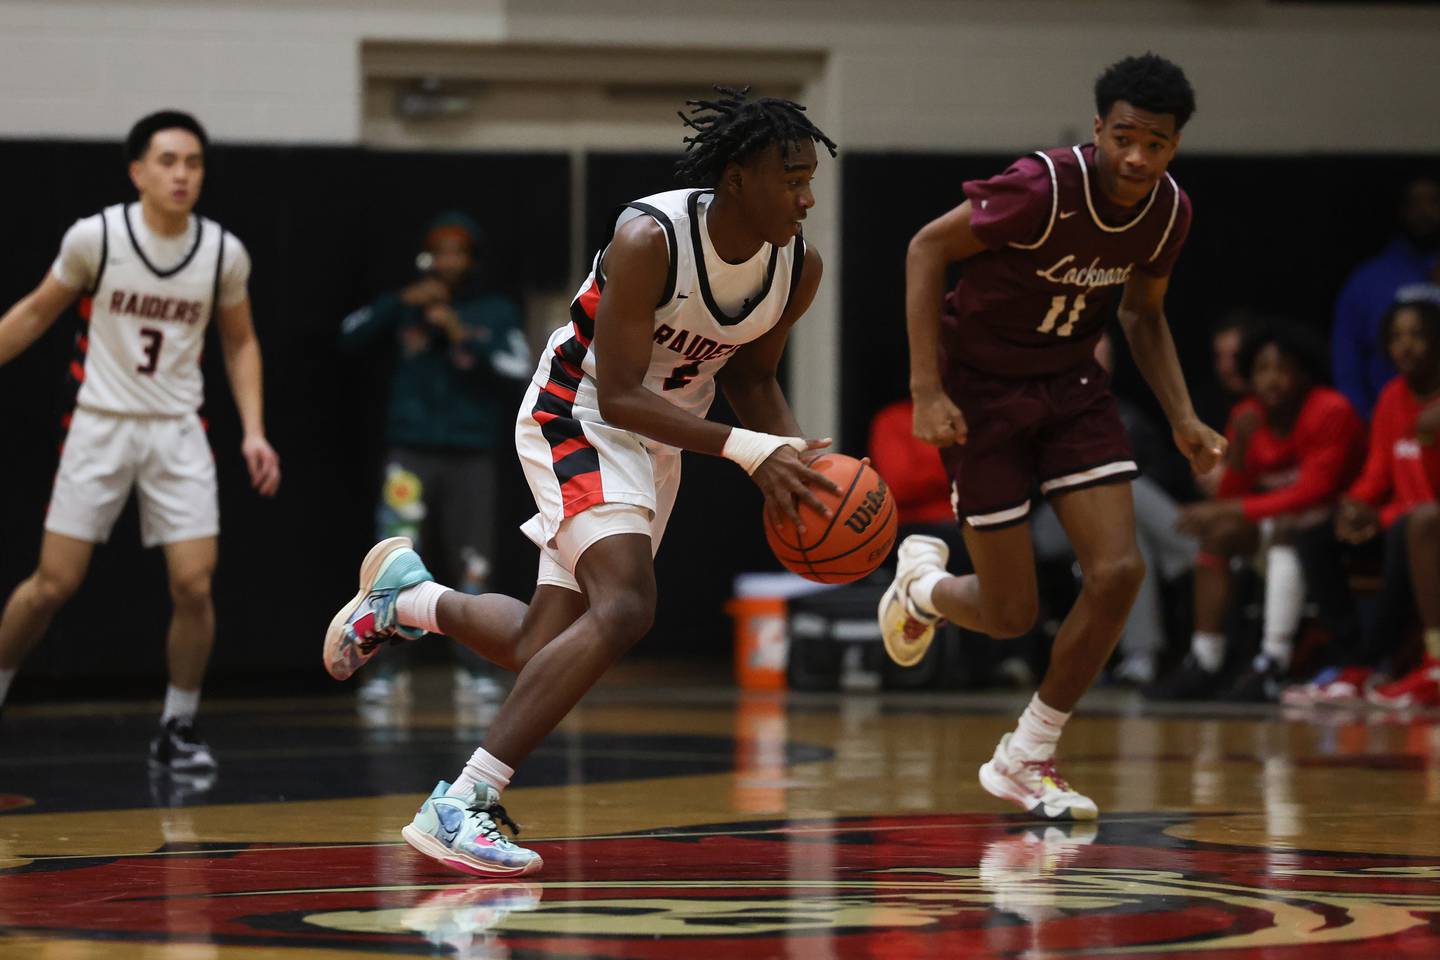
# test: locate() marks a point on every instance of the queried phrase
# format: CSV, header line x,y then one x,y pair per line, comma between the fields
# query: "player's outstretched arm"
x,y
35,313
939,243
1142,316
243,366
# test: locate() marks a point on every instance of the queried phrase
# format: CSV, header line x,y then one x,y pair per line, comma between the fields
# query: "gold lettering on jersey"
x,y
149,307
1087,277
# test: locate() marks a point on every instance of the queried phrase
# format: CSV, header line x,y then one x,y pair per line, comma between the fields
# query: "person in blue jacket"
x,y
459,353
1360,364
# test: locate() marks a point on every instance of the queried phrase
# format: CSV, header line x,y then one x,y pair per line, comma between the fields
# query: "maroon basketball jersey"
x,y
1034,302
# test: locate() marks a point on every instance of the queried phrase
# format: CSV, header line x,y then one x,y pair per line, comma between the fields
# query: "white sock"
x,y
416,606
5,677
922,591
1209,650
179,704
1038,730
1284,602
481,768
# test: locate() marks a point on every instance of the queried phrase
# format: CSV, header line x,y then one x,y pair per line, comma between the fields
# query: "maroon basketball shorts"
x,y
1056,433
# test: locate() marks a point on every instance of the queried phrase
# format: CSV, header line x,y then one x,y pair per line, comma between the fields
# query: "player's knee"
x,y
625,616
1116,579
52,588
1012,617
190,590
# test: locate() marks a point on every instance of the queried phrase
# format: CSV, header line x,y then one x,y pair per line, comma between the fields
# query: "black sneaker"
x,y
1186,681
177,747
1259,684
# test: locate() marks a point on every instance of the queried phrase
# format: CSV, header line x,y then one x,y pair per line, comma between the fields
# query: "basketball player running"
x,y
153,275
697,287
1006,385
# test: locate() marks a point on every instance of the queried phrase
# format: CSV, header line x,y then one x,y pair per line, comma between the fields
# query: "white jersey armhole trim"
x,y
1054,206
1090,203
1174,211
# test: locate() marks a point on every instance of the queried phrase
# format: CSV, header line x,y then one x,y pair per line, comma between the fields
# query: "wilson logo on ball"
x,y
869,509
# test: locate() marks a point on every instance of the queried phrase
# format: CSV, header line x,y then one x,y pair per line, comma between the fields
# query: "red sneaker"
x,y
1418,688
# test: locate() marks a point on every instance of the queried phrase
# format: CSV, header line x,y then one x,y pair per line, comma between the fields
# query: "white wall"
x,y
904,74
983,75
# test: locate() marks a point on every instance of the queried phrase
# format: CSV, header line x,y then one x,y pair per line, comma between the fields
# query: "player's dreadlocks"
x,y
734,127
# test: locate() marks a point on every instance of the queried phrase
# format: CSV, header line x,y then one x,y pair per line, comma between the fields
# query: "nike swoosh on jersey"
x,y
1067,214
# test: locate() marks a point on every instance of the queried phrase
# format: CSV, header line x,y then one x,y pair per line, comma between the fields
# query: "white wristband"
x,y
750,449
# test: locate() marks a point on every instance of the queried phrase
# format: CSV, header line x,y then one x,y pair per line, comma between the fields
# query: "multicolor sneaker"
x,y
1019,870
464,919
1418,688
465,835
368,620
1034,784
1333,686
906,629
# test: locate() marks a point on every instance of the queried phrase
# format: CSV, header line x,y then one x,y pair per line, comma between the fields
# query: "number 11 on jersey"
x,y
1057,307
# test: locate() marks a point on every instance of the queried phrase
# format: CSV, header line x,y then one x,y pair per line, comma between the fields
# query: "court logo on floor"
x,y
977,887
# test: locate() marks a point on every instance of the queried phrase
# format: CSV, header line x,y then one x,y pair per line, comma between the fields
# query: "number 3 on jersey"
x,y
154,339
1057,307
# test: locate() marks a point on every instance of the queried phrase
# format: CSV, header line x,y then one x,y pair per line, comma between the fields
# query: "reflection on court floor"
x,y
763,827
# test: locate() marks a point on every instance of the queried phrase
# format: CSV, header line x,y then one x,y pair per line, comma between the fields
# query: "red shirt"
x,y
1399,475
1033,303
1304,469
911,467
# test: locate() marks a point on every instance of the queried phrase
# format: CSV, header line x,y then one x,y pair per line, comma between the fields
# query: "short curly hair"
x,y
1301,344
1149,82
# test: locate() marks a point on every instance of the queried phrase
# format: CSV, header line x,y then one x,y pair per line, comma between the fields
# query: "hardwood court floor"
x,y
689,822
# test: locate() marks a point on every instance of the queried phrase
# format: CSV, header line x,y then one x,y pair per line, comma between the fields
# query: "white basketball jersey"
x,y
693,334
147,322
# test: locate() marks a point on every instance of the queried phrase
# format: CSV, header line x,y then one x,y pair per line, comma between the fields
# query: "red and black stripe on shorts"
x,y
575,461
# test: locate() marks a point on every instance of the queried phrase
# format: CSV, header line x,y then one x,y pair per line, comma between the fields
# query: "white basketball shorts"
x,y
590,481
168,459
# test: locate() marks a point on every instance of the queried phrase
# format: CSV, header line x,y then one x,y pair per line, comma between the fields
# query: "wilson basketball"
x,y
850,543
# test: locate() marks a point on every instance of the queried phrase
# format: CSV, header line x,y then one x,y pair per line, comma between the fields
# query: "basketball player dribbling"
x,y
153,275
1005,383
697,287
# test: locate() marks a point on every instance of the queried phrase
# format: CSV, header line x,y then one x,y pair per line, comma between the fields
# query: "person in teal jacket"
x,y
459,352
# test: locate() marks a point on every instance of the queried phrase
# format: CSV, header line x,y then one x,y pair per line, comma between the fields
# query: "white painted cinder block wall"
x,y
980,75
903,74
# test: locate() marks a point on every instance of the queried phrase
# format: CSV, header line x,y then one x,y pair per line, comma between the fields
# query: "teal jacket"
x,y
442,394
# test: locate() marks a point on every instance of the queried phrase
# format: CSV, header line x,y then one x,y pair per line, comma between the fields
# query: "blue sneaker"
x,y
368,620
465,835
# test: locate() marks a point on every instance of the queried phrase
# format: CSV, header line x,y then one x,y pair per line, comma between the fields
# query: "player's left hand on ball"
x,y
263,463
785,480
1203,447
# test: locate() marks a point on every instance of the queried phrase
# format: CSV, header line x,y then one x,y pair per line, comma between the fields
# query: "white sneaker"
x,y
1035,785
906,629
